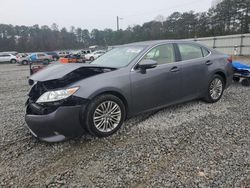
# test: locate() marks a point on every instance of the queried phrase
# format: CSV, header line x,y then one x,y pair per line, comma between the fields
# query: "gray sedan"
x,y
66,101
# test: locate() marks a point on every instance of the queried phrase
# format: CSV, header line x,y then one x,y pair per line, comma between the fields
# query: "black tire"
x,y
208,98
236,79
25,62
13,61
91,58
91,109
246,82
46,62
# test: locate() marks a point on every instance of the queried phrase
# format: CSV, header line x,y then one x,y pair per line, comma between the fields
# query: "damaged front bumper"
x,y
56,124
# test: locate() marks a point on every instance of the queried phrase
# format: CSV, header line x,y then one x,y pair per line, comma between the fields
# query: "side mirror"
x,y
146,64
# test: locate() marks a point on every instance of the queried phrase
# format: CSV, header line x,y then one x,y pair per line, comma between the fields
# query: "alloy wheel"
x,y
216,89
107,116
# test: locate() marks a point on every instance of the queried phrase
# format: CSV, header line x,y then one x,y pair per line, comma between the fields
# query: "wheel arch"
x,y
117,94
223,75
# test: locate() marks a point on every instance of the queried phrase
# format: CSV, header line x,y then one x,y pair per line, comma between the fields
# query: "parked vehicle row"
x,y
46,57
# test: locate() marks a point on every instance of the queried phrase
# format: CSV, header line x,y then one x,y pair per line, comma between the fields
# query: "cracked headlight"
x,y
52,96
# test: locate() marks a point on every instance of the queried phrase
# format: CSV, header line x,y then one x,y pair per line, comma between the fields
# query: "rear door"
x,y
5,58
2,58
194,69
159,86
40,57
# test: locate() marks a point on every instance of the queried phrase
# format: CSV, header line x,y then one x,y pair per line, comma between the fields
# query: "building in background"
x,y
215,3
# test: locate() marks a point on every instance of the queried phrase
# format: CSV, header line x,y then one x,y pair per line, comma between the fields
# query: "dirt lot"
x,y
189,145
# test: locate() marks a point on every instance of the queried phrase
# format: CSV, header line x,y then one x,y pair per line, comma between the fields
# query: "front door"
x,y
158,86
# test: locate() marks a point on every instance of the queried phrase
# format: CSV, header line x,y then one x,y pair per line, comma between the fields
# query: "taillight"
x,y
230,59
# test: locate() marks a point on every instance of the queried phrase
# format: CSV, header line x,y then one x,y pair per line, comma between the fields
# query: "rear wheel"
x,y
91,58
25,62
46,62
13,61
104,115
215,89
236,79
246,82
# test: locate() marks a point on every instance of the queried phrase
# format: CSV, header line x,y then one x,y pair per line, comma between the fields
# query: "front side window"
x,y
190,51
161,54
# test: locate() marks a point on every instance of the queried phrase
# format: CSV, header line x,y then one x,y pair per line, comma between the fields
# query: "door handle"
x,y
174,69
209,62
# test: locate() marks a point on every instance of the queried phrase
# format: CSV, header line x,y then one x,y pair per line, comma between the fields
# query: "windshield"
x,y
118,57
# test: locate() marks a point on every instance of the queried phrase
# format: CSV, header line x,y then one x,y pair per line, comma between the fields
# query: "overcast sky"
x,y
91,14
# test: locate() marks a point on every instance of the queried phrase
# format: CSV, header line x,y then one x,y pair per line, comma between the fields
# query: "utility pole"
x,y
117,23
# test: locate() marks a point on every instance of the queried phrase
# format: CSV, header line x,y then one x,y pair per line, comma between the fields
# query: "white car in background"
x,y
94,55
63,53
8,58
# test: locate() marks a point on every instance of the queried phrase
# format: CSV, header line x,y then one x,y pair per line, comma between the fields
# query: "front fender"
x,y
104,90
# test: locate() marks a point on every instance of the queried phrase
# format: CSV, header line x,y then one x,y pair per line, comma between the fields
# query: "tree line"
x,y
228,17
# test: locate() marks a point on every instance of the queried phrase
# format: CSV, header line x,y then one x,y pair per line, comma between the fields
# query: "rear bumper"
x,y
62,124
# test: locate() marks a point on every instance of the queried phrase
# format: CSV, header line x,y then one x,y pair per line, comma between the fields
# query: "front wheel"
x,y
104,115
215,89
91,58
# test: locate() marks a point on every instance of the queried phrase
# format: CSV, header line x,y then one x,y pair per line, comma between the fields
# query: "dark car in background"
x,y
67,100
54,55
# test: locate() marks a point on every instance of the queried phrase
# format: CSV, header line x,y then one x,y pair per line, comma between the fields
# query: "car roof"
x,y
156,42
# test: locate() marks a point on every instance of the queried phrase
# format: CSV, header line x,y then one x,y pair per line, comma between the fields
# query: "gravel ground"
x,y
188,145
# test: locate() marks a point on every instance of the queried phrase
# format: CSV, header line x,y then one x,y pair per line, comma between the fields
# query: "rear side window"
x,y
190,51
205,52
40,55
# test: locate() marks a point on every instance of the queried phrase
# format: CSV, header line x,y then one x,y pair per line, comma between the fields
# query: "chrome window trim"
x,y
208,51
201,49
133,68
197,58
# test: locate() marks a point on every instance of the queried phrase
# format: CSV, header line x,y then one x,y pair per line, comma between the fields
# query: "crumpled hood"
x,y
57,71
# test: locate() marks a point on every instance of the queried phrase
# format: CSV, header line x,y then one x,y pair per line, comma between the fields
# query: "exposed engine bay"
x,y
40,87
